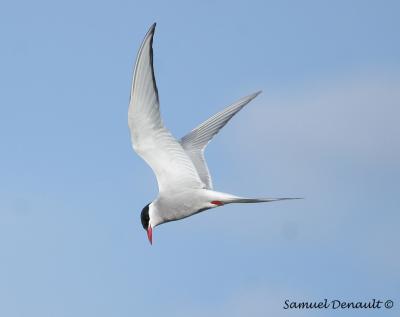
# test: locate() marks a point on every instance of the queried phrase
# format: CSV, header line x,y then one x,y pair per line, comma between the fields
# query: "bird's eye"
x,y
144,217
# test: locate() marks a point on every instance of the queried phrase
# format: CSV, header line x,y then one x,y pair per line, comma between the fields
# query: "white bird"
x,y
184,181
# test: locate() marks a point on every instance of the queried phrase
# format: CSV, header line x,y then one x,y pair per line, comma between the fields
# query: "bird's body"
x,y
176,205
184,181
181,204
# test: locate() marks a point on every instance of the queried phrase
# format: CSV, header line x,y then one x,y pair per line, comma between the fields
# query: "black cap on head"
x,y
144,217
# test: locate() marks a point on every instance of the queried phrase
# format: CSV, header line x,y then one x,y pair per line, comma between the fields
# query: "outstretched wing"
x,y
196,141
150,139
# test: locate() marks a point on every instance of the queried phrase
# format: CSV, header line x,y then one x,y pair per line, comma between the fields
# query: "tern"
x,y
184,181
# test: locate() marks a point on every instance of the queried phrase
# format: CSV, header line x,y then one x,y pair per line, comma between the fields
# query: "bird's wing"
x,y
150,139
196,141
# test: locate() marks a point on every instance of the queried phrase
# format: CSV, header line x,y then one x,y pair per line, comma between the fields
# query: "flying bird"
x,y
184,181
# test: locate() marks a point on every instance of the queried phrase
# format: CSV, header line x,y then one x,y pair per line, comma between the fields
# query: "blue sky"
x,y
326,128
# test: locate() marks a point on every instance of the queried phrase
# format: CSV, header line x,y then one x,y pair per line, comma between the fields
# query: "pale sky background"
x,y
326,127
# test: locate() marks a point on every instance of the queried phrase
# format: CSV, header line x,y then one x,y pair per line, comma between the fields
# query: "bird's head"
x,y
146,222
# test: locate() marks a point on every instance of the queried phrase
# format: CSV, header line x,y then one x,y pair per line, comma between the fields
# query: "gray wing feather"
x,y
196,141
150,139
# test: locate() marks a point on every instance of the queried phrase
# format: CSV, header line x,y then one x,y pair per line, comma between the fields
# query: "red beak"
x,y
150,234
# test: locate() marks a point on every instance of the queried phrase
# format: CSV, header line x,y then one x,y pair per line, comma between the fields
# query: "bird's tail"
x,y
256,200
225,198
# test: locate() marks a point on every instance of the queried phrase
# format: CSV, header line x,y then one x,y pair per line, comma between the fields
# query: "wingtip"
x,y
253,95
151,30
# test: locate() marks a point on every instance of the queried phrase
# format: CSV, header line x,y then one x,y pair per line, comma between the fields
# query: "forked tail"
x,y
257,200
219,198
